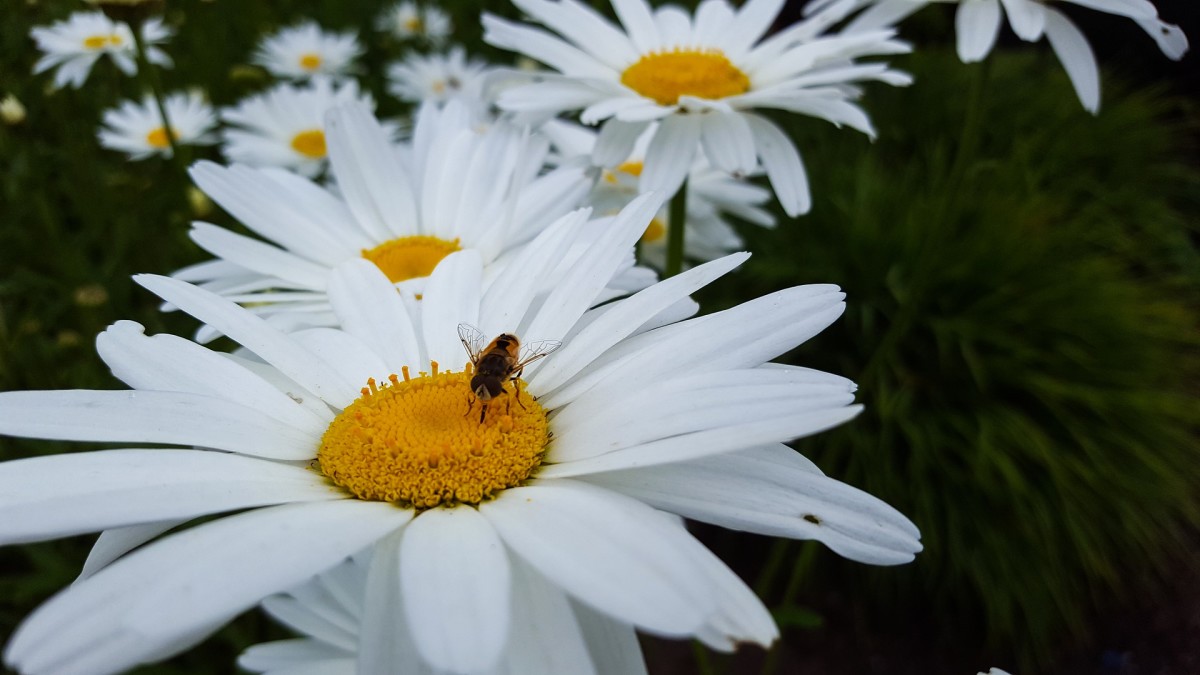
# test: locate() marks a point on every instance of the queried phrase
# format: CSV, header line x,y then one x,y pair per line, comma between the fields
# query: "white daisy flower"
x,y
551,633
285,126
456,187
712,196
332,441
408,21
304,50
439,78
978,23
701,76
137,130
75,44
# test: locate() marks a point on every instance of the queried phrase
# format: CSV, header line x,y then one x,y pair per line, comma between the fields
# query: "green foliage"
x,y
1022,293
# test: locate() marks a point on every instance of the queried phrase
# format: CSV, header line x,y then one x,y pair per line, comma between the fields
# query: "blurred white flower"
x,y
978,23
285,126
439,78
712,196
700,76
304,50
403,207
409,21
74,45
137,129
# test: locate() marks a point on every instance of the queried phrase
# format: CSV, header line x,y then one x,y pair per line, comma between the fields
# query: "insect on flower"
x,y
502,360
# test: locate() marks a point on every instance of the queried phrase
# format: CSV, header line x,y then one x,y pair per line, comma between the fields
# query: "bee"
x,y
502,360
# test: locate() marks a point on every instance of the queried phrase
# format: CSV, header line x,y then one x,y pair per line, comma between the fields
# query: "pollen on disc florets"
x,y
704,73
419,441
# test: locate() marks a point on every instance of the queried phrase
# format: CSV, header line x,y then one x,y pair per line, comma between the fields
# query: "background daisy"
x,y
304,50
284,126
644,411
403,207
712,197
699,77
978,23
137,130
74,45
439,78
409,21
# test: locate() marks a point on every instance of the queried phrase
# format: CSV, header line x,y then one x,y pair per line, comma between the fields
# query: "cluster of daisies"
x,y
466,418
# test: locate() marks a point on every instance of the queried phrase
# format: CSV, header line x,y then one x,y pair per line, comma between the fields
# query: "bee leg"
x,y
470,404
517,391
482,412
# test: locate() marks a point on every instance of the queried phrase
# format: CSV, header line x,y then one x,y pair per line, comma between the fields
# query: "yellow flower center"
x,y
310,143
655,231
413,24
410,257
419,441
101,41
665,76
310,61
157,138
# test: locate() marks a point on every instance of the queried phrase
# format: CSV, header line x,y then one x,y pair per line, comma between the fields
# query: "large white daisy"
x,y
409,21
285,126
304,50
74,45
137,129
455,187
712,197
551,633
700,76
331,441
978,23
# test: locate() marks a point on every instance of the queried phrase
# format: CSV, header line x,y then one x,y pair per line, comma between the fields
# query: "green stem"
x,y
676,222
703,665
800,570
150,75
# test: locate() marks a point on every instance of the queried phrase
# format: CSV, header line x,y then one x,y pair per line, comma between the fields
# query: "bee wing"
x,y
536,350
473,340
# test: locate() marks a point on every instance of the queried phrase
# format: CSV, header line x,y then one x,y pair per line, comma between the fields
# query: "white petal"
x,y
542,46
169,363
268,657
451,297
773,491
639,23
753,20
165,597
254,334
114,543
369,172
609,551
457,589
258,256
1077,58
782,162
61,495
574,293
615,142
978,24
708,442
674,26
1027,18
371,310
613,645
670,154
623,318
302,618
728,142
546,637
1171,40
344,353
585,27
150,417
1134,9
385,641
